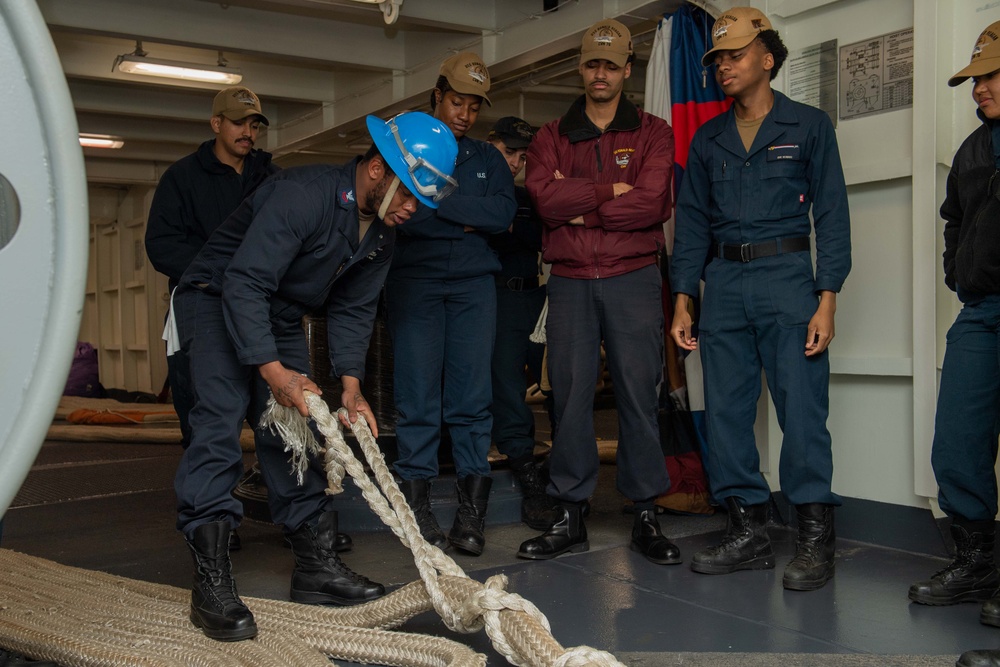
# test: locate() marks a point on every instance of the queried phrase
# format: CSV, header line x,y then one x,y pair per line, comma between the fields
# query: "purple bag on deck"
x,y
84,379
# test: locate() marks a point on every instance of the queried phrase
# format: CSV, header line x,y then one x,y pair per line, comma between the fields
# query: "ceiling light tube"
x,y
134,64
100,141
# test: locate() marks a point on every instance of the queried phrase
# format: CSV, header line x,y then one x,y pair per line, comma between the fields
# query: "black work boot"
x,y
812,565
745,546
342,543
216,607
971,577
650,542
470,519
986,658
989,613
567,535
320,577
538,509
418,495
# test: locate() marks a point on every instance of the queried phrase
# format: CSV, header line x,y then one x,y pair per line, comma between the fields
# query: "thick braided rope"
x,y
81,618
300,442
399,517
518,630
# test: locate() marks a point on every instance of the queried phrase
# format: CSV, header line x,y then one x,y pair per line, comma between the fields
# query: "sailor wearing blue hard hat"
x,y
310,238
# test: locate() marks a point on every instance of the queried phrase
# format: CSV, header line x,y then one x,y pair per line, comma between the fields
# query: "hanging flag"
x,y
695,95
657,95
695,98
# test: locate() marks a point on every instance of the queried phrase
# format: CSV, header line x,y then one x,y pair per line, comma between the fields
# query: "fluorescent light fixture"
x,y
138,63
100,141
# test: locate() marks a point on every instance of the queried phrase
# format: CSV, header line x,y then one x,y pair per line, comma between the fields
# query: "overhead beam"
x,y
455,15
85,58
233,30
532,40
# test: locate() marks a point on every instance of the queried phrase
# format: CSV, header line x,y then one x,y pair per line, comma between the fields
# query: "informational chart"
x,y
812,77
876,75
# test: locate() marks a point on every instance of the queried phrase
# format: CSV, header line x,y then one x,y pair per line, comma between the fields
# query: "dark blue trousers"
x,y
754,316
513,422
442,336
225,392
627,313
967,422
179,377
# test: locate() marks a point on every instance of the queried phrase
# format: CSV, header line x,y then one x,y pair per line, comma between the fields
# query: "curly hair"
x,y
772,43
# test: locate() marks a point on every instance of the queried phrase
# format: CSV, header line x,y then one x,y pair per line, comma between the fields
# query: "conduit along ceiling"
x,y
319,67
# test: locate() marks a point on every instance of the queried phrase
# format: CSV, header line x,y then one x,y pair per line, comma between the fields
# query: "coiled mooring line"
x,y
81,618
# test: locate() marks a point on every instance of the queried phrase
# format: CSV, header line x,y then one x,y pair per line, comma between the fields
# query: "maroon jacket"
x,y
619,235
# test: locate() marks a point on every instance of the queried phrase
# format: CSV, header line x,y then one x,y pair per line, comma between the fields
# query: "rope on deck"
x,y
517,629
82,618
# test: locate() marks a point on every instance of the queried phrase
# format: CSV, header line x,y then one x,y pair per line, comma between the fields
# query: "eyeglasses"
x,y
428,180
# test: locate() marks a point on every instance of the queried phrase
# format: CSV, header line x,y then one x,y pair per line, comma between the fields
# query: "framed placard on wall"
x,y
876,75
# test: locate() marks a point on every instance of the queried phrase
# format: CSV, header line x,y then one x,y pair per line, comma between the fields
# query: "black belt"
x,y
517,283
747,252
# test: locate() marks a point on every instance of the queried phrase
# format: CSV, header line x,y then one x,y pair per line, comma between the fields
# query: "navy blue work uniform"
x,y
756,313
519,303
441,306
967,421
194,196
290,249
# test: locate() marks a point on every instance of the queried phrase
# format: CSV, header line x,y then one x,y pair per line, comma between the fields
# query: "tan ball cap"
x,y
237,103
467,75
985,56
736,28
607,40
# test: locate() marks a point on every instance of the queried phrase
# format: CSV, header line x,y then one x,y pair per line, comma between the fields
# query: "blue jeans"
x,y
442,337
968,411
626,312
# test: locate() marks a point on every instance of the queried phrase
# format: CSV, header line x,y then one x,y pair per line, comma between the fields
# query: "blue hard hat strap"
x,y
434,190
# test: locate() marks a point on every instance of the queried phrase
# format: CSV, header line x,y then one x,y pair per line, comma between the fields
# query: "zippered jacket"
x,y
971,211
619,234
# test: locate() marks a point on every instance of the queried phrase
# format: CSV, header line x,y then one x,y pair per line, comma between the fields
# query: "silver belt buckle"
x,y
745,253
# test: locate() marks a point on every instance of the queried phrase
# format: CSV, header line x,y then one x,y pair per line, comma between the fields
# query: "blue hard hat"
x,y
420,150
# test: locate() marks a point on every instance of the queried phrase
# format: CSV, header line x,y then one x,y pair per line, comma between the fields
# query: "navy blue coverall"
x,y
441,306
756,314
290,249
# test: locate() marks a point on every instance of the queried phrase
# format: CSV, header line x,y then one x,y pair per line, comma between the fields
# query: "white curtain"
x,y
658,72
